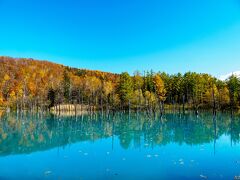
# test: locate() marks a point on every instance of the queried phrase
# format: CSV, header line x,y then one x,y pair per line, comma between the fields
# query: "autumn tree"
x,y
224,98
234,88
108,89
138,86
160,90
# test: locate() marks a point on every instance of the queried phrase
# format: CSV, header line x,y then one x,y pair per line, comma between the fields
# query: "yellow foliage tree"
x,y
159,87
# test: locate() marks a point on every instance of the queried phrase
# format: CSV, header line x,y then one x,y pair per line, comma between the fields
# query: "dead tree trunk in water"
x,y
183,104
129,106
214,101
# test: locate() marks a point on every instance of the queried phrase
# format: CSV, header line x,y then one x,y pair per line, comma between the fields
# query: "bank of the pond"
x,y
79,109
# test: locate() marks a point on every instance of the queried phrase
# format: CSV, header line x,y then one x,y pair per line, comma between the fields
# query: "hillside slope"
x,y
23,80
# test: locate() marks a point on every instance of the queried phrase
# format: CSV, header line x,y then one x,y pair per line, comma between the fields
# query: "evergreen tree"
x,y
234,88
66,86
125,88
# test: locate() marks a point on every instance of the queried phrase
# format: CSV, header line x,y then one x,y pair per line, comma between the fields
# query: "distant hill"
x,y
15,64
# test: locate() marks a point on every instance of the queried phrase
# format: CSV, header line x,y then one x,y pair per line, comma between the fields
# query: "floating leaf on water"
x,y
181,163
202,176
46,173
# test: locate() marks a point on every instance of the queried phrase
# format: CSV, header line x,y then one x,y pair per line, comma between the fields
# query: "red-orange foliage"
x,y
28,79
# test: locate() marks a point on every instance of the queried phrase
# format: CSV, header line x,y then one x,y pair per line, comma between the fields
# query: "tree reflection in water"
x,y
26,133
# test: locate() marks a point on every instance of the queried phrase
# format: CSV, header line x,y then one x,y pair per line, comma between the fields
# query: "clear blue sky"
x,y
125,35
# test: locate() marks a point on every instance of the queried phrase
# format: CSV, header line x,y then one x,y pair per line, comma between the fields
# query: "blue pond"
x,y
123,146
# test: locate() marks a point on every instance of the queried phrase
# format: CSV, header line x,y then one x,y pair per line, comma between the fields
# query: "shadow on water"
x,y
33,132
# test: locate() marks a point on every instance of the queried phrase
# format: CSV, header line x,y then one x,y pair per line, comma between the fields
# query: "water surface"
x,y
119,147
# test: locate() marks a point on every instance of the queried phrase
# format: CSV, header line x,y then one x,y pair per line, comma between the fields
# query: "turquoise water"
x,y
119,147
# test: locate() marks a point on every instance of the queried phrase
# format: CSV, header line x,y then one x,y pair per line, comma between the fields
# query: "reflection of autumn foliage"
x,y
33,132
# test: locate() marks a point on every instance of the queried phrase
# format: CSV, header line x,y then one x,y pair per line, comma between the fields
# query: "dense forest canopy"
x,y
40,85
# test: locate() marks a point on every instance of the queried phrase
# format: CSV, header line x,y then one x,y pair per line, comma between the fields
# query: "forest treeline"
x,y
40,85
